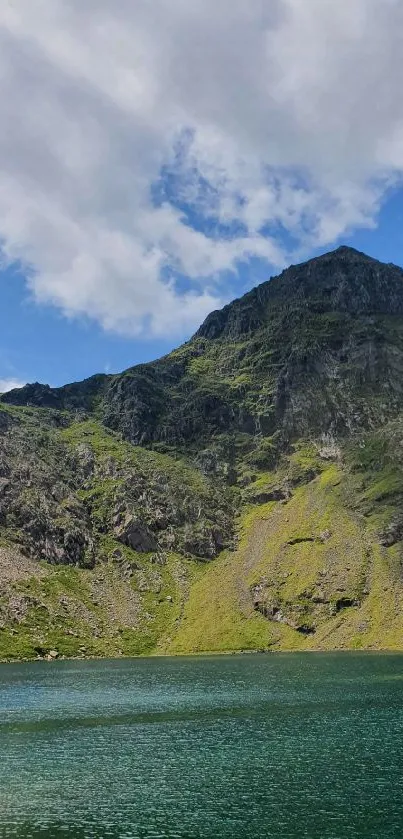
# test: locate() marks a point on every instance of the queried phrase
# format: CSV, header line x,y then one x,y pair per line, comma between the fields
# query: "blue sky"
x,y
157,160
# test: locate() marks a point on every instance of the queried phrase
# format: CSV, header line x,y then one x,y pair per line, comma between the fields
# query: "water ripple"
x,y
204,748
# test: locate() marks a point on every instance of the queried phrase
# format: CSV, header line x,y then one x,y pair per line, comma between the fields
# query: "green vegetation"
x,y
243,492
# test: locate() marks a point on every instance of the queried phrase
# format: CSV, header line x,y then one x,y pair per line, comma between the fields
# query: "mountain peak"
x,y
347,250
343,252
343,280
344,287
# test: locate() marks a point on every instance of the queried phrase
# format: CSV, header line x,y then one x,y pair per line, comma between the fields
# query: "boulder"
x,y
133,533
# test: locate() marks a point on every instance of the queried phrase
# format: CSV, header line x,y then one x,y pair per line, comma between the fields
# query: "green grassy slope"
x,y
120,608
309,573
318,568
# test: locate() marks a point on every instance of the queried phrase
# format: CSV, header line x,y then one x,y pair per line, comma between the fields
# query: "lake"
x,y
276,745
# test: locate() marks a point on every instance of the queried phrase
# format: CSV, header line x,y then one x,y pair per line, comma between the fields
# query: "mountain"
x,y
243,492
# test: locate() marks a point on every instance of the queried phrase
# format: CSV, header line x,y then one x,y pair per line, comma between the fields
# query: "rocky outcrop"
x,y
64,490
133,533
392,534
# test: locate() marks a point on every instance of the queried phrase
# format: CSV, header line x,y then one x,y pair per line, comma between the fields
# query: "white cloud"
x,y
10,384
266,116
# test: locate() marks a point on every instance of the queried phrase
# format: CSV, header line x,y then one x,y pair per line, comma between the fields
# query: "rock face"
x,y
63,498
135,535
301,377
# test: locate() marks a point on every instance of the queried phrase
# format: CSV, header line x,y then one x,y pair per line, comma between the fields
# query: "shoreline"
x,y
206,654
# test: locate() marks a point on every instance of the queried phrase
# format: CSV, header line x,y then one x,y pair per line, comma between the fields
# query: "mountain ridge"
x,y
326,302
32,391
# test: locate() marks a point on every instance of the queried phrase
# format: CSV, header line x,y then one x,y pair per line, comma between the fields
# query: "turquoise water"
x,y
232,746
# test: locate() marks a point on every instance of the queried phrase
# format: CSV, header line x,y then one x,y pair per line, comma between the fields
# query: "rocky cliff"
x,y
244,491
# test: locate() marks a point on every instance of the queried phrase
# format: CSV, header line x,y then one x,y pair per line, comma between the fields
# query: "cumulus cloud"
x,y
148,149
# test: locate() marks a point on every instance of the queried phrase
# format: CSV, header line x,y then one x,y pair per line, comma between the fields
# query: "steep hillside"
x,y
319,569
244,491
99,539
